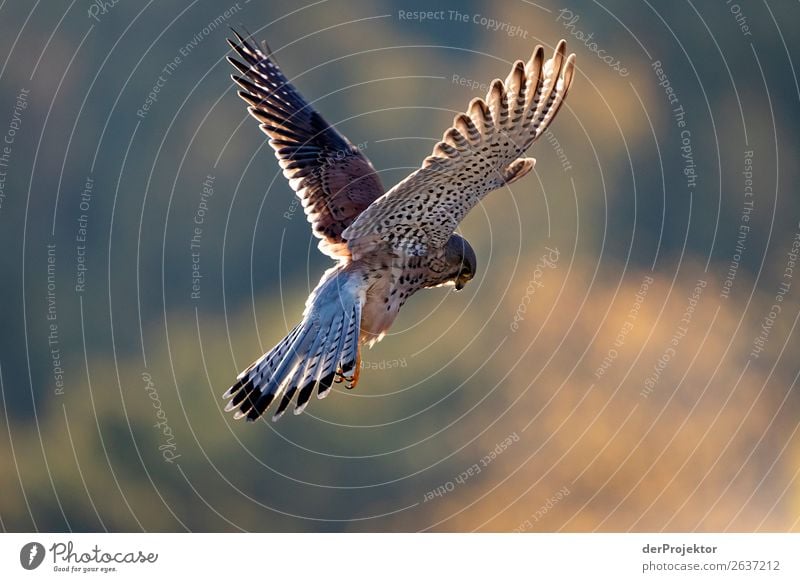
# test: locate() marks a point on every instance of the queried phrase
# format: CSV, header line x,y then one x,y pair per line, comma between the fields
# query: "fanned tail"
x,y
320,350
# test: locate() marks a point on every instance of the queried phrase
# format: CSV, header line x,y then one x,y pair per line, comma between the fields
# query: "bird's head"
x,y
461,261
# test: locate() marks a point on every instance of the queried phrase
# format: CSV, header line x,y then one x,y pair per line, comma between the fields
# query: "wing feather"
x,y
332,177
481,152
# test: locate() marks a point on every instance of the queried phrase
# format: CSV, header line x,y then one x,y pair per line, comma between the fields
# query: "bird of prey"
x,y
387,244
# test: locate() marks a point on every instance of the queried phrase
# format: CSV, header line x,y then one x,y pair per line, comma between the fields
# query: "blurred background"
x,y
625,359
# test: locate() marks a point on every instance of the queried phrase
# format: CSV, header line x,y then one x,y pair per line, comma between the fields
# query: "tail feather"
x,y
315,363
333,362
250,379
324,372
275,383
328,363
350,348
287,399
264,363
256,391
312,356
304,371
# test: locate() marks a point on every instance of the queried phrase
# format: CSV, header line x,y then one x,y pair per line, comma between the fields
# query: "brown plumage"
x,y
388,245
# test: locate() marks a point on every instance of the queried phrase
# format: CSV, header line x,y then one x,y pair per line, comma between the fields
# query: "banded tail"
x,y
321,350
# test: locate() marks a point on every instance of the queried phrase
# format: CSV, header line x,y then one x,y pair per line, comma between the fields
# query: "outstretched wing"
x,y
333,179
481,152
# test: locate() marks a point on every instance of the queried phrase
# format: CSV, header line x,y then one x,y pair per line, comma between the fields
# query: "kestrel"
x,y
387,245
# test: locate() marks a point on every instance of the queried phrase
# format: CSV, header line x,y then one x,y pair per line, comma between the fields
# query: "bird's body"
x,y
388,245
390,281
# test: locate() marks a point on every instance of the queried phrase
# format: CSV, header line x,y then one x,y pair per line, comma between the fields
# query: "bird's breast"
x,y
388,289
380,308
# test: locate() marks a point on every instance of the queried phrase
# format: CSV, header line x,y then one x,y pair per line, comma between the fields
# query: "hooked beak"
x,y
461,281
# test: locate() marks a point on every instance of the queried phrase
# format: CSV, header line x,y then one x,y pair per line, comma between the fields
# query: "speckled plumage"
x,y
388,245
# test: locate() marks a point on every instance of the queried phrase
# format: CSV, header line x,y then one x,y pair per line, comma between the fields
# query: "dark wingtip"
x,y
240,66
239,37
250,43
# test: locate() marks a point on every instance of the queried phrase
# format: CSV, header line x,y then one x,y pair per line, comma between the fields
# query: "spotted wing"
x,y
333,179
479,153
